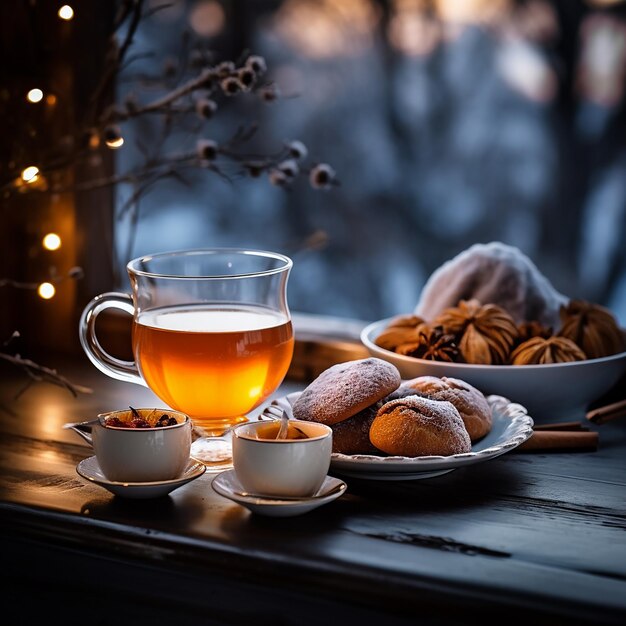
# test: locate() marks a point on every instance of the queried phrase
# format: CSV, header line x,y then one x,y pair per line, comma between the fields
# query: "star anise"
x,y
485,333
538,350
432,344
592,327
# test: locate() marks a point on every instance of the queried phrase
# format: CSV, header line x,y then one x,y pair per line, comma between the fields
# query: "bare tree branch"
x,y
40,373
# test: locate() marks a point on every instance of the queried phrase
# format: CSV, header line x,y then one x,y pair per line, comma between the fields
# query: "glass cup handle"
x,y
111,366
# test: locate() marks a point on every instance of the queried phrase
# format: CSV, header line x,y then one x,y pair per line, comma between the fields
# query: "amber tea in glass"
x,y
214,364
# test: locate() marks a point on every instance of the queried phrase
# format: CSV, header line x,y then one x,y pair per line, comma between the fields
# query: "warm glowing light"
x,y
46,291
51,241
207,18
94,140
116,143
34,95
255,392
30,174
327,28
472,11
51,99
414,33
66,12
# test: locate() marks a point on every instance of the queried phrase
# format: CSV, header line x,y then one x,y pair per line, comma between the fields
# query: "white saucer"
x,y
90,470
227,485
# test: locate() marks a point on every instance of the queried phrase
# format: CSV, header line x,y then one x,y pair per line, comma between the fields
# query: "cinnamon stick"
x,y
560,440
607,413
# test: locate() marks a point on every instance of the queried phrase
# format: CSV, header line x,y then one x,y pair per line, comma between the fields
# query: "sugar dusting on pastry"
x,y
416,426
344,389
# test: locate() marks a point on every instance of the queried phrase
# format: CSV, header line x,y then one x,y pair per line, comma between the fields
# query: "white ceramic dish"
x,y
511,426
90,470
550,393
227,484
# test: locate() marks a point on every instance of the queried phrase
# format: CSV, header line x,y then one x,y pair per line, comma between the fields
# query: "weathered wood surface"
x,y
540,536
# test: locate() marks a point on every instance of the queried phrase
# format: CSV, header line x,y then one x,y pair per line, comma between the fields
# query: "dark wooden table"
x,y
525,536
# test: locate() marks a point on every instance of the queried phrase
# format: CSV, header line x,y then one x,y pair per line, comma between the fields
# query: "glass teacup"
x,y
212,336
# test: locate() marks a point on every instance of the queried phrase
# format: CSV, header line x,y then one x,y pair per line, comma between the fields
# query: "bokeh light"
x,y
207,18
46,291
34,95
327,28
30,174
413,32
116,143
66,12
526,71
51,241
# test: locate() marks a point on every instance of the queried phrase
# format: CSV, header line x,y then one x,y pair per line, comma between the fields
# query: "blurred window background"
x,y
448,122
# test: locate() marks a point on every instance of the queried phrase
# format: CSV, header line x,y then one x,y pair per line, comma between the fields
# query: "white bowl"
x,y
550,393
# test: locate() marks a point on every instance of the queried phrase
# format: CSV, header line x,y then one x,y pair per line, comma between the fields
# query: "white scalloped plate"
x,y
511,426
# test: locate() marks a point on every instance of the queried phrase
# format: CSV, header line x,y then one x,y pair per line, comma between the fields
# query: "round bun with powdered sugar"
x,y
416,426
468,401
345,389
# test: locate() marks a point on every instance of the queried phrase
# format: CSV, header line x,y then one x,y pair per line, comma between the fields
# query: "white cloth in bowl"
x,y
493,273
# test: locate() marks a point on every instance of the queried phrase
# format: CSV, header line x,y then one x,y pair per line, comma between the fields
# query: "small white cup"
x,y
282,467
139,454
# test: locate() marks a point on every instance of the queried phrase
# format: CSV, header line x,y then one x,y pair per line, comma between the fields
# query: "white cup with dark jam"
x,y
139,445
